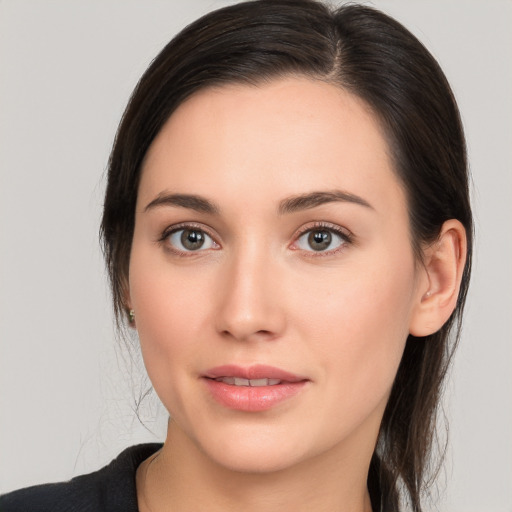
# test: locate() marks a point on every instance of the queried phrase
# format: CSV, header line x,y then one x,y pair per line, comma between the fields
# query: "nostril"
x,y
262,334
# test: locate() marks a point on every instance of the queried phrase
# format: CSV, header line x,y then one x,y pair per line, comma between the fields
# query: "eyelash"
x,y
164,238
344,234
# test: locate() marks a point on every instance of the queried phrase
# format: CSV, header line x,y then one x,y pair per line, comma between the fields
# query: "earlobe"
x,y
444,263
127,306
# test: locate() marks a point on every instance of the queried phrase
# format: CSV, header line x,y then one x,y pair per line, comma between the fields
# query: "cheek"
x,y
171,313
359,329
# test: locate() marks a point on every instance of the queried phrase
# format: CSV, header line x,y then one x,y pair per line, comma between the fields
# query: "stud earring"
x,y
131,316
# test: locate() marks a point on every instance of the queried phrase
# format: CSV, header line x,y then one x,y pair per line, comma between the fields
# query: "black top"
x,y
111,489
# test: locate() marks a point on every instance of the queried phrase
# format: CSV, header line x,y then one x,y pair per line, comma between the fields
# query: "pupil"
x,y
192,239
319,240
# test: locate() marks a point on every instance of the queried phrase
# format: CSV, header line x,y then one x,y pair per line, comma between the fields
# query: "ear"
x,y
439,286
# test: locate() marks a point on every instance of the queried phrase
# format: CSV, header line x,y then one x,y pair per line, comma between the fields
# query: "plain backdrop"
x,y
67,394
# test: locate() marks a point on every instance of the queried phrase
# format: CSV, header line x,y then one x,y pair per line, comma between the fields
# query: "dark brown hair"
x,y
374,57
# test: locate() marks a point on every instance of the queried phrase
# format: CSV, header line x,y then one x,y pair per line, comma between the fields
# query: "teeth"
x,y
259,382
226,380
237,381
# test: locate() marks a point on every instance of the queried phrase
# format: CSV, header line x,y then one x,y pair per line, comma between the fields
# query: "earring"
x,y
131,316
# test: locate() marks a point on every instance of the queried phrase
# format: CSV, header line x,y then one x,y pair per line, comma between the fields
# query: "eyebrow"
x,y
288,205
190,201
314,199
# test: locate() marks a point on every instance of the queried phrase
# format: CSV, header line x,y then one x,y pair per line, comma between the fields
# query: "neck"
x,y
180,477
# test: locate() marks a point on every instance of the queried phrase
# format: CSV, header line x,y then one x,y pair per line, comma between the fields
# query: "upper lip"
x,y
258,371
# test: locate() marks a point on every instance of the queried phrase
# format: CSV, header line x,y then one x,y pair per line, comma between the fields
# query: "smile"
x,y
252,389
237,381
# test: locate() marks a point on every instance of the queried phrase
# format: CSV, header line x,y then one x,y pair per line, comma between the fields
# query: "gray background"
x,y
67,68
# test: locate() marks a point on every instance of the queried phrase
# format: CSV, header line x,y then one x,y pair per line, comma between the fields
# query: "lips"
x,y
252,389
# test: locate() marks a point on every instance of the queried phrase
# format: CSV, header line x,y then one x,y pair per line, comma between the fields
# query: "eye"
x,y
321,239
190,239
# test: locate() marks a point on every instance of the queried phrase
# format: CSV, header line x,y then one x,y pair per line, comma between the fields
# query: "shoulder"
x,y
111,489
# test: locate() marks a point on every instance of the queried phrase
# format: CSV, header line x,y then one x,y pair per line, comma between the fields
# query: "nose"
x,y
249,302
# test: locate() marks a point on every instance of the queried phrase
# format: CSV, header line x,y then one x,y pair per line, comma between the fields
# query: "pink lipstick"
x,y
254,388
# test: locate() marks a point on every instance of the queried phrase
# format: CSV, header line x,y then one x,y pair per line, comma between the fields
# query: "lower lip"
x,y
252,399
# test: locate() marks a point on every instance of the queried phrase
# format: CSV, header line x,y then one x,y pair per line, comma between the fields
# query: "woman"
x,y
287,227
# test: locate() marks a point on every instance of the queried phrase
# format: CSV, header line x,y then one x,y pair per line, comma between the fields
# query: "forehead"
x,y
285,137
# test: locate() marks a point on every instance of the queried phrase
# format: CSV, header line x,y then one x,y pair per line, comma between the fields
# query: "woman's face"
x,y
272,242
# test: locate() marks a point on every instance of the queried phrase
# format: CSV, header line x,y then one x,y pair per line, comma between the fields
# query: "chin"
x,y
255,450
253,459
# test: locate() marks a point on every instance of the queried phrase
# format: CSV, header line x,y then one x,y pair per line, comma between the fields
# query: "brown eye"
x,y
190,239
319,240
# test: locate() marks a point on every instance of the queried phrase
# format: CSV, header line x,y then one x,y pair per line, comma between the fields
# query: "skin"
x,y
258,293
